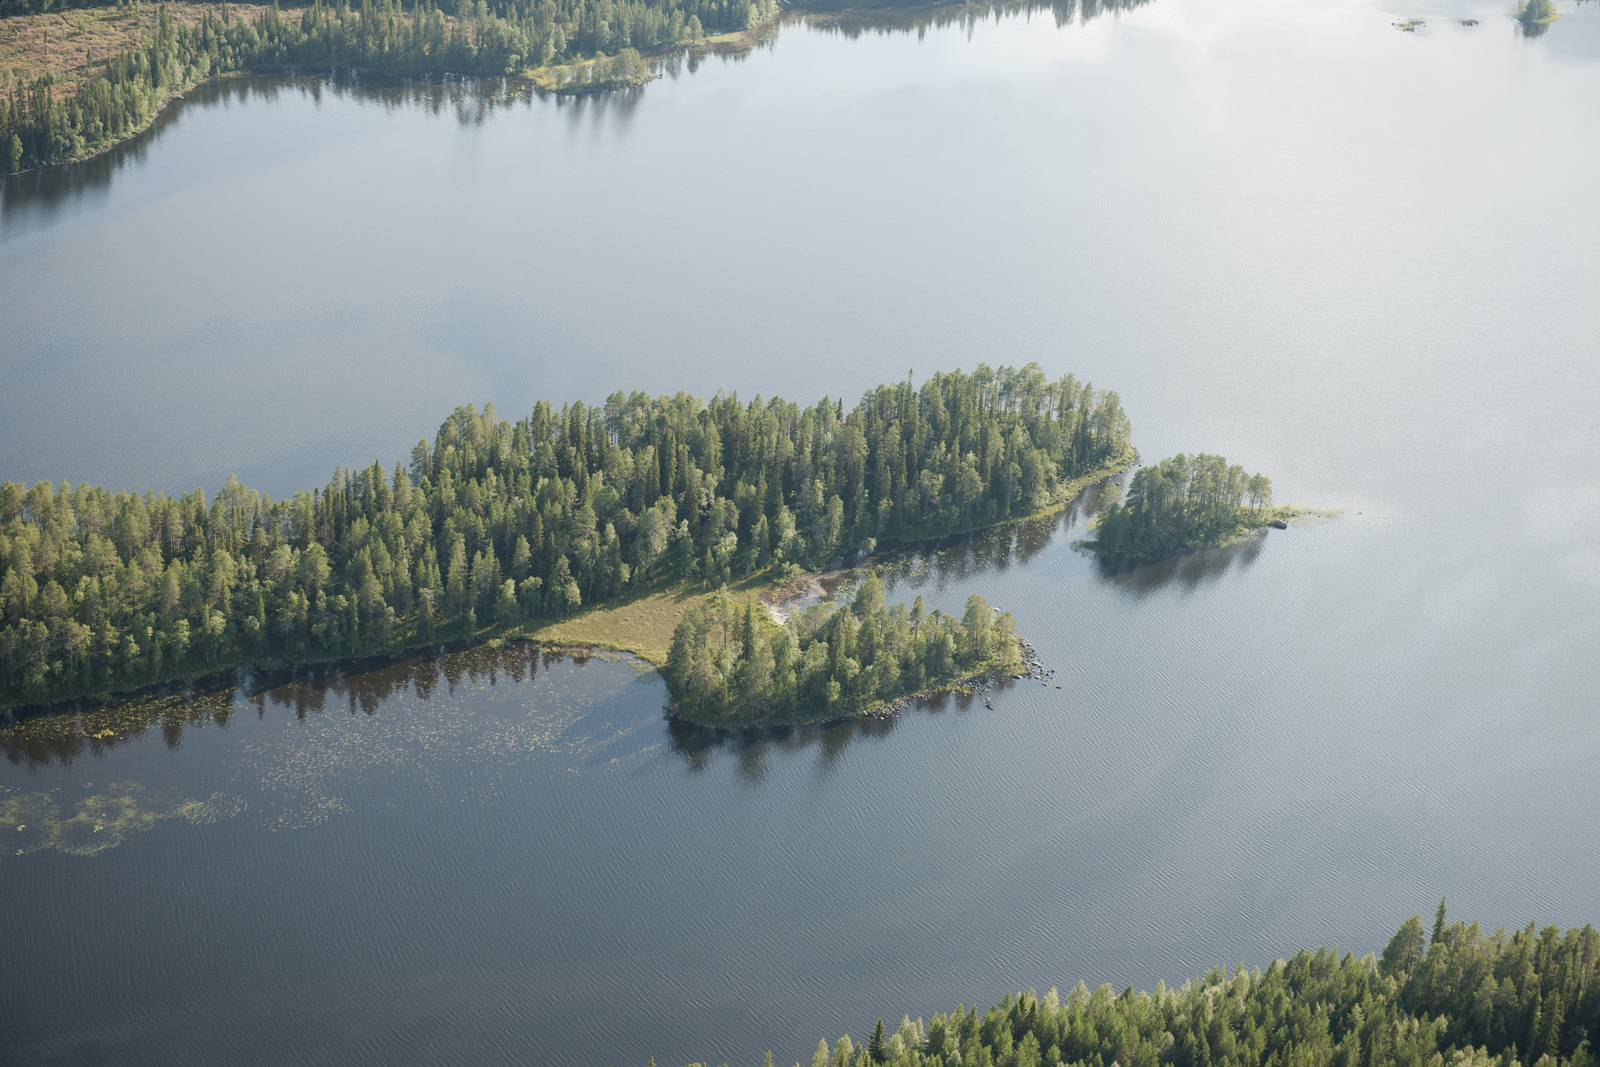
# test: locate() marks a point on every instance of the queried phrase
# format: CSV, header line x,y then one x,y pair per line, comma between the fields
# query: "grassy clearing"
x,y
643,625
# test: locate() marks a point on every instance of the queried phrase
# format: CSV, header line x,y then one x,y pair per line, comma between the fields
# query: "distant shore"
x,y
73,46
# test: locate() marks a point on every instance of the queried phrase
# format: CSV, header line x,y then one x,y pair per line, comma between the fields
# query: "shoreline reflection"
x,y
938,568
86,728
1189,570
751,746
46,192
964,556
361,687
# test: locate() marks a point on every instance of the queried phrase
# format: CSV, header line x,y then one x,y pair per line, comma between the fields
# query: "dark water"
x,y
1358,259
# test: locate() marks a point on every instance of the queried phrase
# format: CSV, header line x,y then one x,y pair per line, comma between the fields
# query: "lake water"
x,y
1358,259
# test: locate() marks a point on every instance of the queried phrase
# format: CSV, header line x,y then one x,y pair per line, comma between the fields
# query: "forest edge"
x,y
606,628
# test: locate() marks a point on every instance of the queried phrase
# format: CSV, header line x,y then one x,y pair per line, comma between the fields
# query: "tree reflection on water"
x,y
87,728
472,100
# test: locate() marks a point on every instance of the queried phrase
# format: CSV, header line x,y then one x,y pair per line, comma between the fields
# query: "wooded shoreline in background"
x,y
562,45
498,526
1457,998
70,104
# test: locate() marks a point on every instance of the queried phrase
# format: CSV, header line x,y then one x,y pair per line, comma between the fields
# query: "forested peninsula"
x,y
1182,504
1454,998
499,528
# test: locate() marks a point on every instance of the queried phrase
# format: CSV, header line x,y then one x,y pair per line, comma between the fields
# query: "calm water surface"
x,y
1358,259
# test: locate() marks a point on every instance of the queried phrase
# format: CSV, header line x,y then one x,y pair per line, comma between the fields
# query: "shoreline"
x,y
1275,515
884,710
556,635
533,77
881,710
808,583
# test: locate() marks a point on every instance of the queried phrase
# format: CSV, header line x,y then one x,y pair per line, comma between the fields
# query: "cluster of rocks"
x,y
1033,669
889,710
1032,665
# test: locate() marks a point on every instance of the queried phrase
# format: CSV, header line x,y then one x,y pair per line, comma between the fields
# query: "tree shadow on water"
x,y
755,749
1185,573
359,687
965,556
34,198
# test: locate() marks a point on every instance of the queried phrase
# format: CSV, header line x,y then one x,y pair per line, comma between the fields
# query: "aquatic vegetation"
x,y
39,821
625,70
62,738
476,708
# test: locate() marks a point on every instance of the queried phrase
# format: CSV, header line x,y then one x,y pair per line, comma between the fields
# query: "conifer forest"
x,y
1180,504
40,126
1459,997
733,666
560,533
579,46
493,522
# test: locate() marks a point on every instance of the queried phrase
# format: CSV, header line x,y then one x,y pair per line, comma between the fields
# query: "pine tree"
x,y
1404,950
747,630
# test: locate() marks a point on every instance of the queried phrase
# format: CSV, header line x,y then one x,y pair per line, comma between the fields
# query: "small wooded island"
x,y
735,667
1182,504
595,526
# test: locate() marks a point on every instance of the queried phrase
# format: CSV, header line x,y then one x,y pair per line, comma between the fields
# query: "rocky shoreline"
x,y
1033,669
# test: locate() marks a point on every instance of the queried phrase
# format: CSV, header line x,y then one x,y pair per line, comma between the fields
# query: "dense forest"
x,y
585,45
494,523
1457,998
39,126
1179,504
731,665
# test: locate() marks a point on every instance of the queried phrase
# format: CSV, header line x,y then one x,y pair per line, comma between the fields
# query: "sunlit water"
x,y
1358,259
